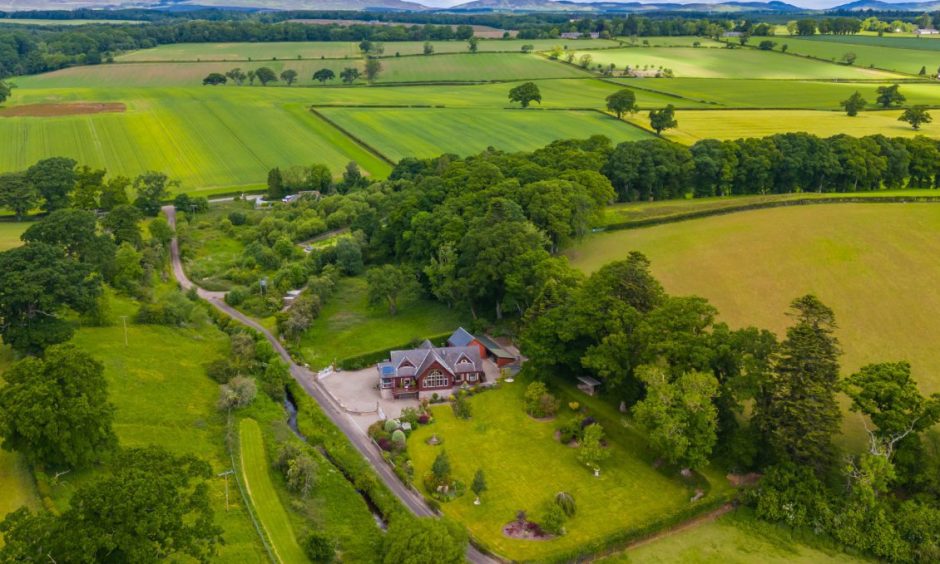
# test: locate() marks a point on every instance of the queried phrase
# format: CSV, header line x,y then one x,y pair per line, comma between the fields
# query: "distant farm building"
x,y
926,31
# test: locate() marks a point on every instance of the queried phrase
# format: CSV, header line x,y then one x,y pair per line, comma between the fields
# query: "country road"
x,y
307,379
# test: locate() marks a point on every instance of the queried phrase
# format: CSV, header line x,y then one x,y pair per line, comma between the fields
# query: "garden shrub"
x,y
461,406
173,309
569,431
221,370
391,425
319,549
539,402
398,438
565,501
553,519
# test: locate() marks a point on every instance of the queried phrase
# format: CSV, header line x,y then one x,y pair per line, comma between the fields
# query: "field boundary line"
x,y
233,438
354,138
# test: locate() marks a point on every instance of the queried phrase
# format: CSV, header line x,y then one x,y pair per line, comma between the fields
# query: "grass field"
x,y
349,326
893,41
908,61
398,133
46,22
287,50
737,538
667,41
734,124
525,466
756,93
452,68
10,232
729,63
260,488
873,264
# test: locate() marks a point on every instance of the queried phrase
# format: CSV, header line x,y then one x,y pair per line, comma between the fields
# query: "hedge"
x,y
361,361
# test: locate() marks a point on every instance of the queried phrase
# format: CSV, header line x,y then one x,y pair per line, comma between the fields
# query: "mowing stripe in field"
x,y
260,488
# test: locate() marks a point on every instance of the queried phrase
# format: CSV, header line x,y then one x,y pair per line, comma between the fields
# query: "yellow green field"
x,y
733,124
10,232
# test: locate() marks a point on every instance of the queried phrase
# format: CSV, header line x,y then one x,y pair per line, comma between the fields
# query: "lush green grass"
x,y
893,41
264,498
668,41
398,133
736,538
163,396
728,63
525,466
695,125
46,22
287,50
10,232
873,264
756,93
349,326
907,61
453,68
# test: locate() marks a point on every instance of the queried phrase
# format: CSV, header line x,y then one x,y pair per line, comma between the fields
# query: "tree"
x,y
373,68
276,189
473,44
5,91
323,75
319,549
114,193
424,541
679,415
428,48
251,77
39,281
265,75
214,79
566,502
743,39
88,186
54,179
128,271
237,76
889,96
766,45
77,431
584,61
349,256
151,507
289,76
853,104
440,468
17,194
797,411
123,224
887,394
621,102
349,75
525,93
592,451
238,392
352,176
916,116
663,119
75,232
849,58
389,282
152,188
923,71
479,483
160,231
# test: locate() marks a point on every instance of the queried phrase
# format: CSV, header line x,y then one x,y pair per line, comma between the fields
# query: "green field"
x,y
10,232
525,466
729,63
667,41
737,538
873,264
893,41
908,61
286,50
349,326
398,133
47,22
734,124
264,498
444,68
756,93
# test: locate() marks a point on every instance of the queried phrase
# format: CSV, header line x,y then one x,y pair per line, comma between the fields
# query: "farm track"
x,y
308,381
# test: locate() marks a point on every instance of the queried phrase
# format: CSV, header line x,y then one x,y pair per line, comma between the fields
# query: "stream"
x,y
290,406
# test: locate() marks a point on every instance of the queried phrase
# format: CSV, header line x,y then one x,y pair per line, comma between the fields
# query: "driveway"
x,y
355,391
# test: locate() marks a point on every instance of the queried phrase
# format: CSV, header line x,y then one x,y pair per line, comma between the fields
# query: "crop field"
x,y
524,466
729,63
287,50
446,68
260,488
796,94
733,124
908,61
398,133
873,264
894,41
665,41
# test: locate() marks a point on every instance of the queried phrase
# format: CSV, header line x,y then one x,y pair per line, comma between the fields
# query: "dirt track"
x,y
65,109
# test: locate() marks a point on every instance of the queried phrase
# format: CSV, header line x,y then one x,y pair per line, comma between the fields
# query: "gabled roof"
x,y
460,338
414,362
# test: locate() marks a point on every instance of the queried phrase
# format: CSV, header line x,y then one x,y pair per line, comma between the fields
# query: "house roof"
x,y
414,362
588,381
494,348
460,338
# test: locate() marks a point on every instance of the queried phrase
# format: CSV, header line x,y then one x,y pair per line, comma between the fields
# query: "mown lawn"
x,y
10,232
695,125
737,538
728,63
525,466
873,264
260,489
348,326
398,133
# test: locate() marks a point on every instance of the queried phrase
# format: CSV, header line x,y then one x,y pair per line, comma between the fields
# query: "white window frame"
x,y
439,380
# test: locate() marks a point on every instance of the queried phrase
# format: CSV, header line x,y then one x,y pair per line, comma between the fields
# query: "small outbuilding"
x,y
588,385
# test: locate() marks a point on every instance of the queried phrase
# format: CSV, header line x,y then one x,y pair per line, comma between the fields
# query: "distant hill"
x,y
860,5
568,6
357,5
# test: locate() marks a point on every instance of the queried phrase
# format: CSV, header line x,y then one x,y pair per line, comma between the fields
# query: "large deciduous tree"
x,y
387,283
289,76
797,410
663,119
853,104
373,68
75,232
889,96
37,282
265,75
525,94
55,410
349,75
214,79
323,75
152,188
916,116
622,102
54,179
17,194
